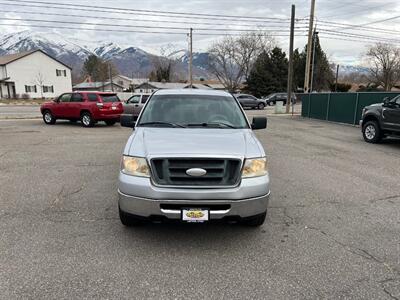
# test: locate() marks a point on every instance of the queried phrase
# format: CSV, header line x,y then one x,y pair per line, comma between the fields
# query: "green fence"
x,y
339,107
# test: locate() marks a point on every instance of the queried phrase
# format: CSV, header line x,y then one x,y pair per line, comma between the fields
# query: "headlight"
x,y
255,167
135,166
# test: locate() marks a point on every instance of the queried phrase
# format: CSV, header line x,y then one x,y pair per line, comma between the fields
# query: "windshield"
x,y
193,111
109,98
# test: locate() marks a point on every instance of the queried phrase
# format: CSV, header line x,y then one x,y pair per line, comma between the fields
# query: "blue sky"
x,y
340,11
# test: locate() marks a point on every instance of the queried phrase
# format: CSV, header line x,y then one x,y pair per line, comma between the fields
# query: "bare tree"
x,y
231,59
385,65
163,65
39,80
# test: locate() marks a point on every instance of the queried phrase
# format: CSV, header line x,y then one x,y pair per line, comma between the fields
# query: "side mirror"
x,y
259,123
127,121
386,100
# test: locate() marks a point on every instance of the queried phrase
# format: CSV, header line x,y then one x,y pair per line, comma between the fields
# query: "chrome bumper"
x,y
150,207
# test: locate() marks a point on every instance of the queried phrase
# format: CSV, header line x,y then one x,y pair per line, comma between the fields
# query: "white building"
x,y
33,74
152,86
127,82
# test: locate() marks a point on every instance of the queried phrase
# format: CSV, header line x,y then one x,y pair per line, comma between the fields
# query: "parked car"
x,y
381,120
250,101
88,107
134,104
193,157
273,98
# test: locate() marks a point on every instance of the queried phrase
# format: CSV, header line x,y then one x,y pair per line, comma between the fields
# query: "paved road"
x,y
332,229
19,111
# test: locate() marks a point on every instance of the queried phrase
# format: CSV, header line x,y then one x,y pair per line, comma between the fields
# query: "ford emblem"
x,y
196,172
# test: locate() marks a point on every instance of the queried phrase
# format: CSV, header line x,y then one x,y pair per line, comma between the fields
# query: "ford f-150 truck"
x,y
193,157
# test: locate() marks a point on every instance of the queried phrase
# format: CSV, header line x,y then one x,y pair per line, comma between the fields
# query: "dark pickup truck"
x,y
381,120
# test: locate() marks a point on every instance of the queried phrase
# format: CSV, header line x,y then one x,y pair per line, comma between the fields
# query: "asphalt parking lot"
x,y
333,226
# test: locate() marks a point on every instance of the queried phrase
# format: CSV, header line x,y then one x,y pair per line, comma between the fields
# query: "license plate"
x,y
114,108
195,215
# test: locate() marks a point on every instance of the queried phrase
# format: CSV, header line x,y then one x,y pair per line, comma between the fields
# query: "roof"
x,y
136,81
215,85
165,85
199,86
192,92
6,59
95,92
91,85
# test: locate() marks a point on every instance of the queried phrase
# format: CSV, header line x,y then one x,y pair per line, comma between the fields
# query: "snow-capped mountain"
x,y
129,60
347,70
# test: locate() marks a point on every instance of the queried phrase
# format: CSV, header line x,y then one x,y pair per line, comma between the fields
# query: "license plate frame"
x,y
195,215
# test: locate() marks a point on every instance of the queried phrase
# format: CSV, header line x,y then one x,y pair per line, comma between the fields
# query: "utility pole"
x,y
308,60
337,76
313,60
191,57
290,70
110,76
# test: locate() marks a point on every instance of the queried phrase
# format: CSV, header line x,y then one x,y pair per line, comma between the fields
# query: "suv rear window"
x,y
109,98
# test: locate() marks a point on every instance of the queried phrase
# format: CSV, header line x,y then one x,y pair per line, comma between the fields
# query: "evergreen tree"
x,y
269,73
98,69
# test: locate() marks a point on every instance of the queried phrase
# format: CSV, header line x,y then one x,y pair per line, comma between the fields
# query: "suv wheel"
x,y
128,220
371,132
48,117
261,106
87,120
255,221
110,122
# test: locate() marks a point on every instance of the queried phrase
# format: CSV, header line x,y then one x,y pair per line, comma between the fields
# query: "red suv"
x,y
88,107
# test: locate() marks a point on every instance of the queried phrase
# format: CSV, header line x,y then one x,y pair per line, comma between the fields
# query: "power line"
x,y
338,33
127,10
363,41
357,27
381,21
134,31
146,21
132,26
359,10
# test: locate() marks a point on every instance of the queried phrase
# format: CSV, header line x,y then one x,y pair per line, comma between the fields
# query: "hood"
x,y
376,105
165,142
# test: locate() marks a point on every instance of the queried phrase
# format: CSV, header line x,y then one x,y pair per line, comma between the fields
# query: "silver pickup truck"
x,y
193,157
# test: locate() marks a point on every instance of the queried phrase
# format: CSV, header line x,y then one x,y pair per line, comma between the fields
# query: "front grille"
x,y
172,171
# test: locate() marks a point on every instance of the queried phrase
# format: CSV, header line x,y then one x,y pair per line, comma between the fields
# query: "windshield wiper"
x,y
162,123
211,124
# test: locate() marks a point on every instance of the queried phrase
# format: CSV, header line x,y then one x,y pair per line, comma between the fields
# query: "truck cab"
x,y
381,120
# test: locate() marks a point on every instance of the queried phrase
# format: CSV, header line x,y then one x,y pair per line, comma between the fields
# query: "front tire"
x,y
372,132
255,221
261,106
128,220
48,117
87,120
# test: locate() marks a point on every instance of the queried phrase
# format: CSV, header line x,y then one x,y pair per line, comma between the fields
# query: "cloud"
x,y
326,10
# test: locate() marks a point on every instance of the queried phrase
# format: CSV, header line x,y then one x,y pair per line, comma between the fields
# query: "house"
x,y
127,82
152,86
216,86
33,74
98,86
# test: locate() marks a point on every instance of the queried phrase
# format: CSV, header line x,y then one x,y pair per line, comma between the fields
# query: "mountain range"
x,y
130,61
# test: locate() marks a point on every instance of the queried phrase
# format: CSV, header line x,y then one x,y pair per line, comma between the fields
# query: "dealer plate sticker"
x,y
195,215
